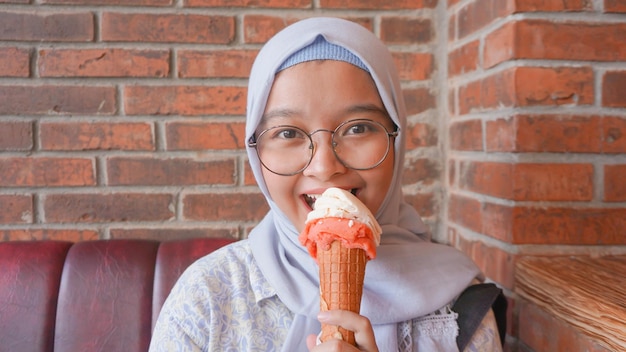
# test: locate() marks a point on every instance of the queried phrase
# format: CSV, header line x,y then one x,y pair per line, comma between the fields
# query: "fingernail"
x,y
323,316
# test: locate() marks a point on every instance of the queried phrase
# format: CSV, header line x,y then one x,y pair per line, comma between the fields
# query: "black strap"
x,y
472,306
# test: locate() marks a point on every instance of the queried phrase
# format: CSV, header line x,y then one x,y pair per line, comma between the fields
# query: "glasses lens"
x,y
361,144
284,150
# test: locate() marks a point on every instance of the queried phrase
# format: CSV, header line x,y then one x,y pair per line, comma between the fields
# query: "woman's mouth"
x,y
311,198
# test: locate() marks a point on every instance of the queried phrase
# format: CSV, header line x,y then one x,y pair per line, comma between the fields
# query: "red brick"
x,y
14,62
491,178
502,134
466,212
46,26
46,172
497,221
292,4
529,181
378,5
452,26
518,87
424,171
110,207
552,5
540,225
16,209
501,45
258,29
493,91
96,136
614,6
413,66
184,100
477,14
161,28
204,136
497,264
169,234
57,100
615,183
16,135
225,207
406,30
545,133
452,102
553,182
112,2
248,175
569,226
542,331
166,172
421,135
464,59
559,86
466,135
48,234
452,173
215,64
542,39
426,204
614,86
418,100
613,134
491,219
103,63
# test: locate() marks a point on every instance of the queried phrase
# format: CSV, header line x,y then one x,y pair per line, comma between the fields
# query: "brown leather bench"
x,y
89,296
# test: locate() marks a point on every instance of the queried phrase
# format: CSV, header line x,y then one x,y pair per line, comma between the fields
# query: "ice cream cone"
x,y
341,271
342,235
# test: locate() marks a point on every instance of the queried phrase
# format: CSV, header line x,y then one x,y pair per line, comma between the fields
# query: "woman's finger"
x,y
363,331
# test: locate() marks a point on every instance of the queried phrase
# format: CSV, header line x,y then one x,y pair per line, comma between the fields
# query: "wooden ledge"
x,y
588,293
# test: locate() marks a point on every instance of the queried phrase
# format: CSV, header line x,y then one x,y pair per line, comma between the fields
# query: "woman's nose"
x,y
324,164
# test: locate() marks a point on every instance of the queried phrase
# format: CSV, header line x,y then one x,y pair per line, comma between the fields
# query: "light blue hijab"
x,y
410,276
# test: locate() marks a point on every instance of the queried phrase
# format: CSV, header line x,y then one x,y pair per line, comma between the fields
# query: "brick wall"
x,y
126,119
536,144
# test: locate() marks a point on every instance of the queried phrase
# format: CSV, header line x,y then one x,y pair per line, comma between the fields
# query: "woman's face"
x,y
321,95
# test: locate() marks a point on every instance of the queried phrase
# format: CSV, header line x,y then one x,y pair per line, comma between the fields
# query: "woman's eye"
x,y
357,129
360,128
288,133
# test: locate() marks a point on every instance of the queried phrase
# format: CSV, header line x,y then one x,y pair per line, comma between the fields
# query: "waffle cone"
x,y
341,273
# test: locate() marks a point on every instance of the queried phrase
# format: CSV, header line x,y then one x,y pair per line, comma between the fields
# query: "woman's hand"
x,y
363,332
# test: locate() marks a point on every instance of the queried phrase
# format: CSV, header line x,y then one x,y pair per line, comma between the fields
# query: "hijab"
x,y
410,276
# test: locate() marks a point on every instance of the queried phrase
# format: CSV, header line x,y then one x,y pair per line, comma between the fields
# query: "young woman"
x,y
313,86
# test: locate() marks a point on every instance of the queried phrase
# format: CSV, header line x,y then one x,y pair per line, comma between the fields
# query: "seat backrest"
x,y
89,296
30,276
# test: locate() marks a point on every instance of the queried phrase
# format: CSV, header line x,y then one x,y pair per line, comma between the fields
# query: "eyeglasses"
x,y
288,150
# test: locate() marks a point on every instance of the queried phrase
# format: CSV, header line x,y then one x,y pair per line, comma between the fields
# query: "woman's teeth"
x,y
311,198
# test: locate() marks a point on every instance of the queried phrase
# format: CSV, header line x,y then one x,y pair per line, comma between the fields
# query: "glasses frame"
x,y
252,143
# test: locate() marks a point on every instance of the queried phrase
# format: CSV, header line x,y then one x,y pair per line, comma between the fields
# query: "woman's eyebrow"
x,y
367,108
276,113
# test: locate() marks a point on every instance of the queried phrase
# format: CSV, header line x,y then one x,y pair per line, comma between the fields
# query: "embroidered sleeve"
x,y
486,338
